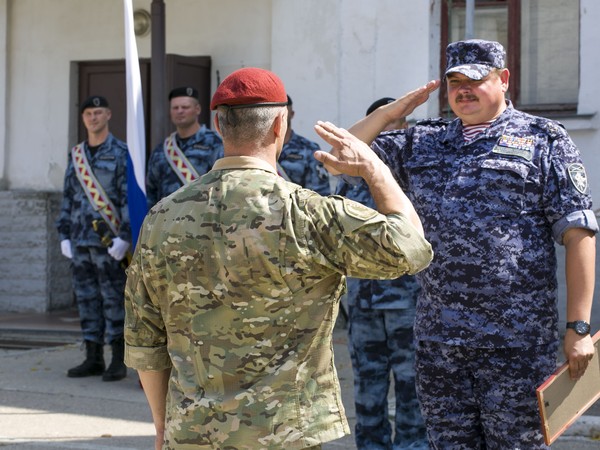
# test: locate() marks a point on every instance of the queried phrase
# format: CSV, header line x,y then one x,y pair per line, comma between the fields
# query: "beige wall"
x,y
335,57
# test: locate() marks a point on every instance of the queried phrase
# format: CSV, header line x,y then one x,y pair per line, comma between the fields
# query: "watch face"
x,y
581,327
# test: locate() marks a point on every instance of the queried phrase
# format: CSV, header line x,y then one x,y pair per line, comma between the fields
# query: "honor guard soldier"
x,y
496,188
185,154
95,191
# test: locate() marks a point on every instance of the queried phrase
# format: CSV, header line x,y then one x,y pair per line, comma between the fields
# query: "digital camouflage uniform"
x,y
301,167
98,279
241,273
380,339
201,150
487,319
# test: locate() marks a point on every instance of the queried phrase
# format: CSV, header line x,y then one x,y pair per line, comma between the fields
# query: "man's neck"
x,y
95,139
267,153
186,132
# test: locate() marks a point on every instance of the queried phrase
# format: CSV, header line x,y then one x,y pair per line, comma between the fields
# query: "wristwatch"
x,y
581,327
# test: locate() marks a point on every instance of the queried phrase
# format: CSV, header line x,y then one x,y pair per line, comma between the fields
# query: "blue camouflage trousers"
x,y
381,342
99,285
478,398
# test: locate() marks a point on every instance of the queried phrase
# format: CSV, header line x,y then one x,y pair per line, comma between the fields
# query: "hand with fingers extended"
x,y
406,104
353,157
370,126
349,154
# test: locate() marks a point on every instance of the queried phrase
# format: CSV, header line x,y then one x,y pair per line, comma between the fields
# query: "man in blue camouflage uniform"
x,y
296,162
201,146
234,288
98,275
380,339
495,188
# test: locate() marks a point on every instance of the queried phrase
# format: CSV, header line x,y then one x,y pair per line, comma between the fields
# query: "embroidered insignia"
x,y
96,101
515,146
578,177
358,210
190,92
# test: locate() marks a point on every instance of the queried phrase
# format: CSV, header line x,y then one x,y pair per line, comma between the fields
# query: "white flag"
x,y
136,137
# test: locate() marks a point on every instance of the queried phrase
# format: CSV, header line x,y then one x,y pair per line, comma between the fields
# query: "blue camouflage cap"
x,y
474,58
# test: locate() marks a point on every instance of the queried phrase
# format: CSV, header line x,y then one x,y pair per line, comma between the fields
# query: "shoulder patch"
x,y
358,210
440,121
578,177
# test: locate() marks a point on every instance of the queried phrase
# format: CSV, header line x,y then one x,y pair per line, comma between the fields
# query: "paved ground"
x,y
40,408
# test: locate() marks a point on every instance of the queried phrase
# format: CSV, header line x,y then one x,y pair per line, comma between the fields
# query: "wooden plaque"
x,y
562,400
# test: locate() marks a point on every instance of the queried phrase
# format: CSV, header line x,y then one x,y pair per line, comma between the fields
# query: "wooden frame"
x,y
562,400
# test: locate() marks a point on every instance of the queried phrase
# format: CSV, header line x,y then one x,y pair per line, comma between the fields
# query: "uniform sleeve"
x,y
145,334
121,181
153,178
317,177
63,222
567,199
389,147
361,243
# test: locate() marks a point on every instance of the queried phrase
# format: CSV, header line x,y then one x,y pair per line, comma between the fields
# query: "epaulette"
x,y
553,129
435,122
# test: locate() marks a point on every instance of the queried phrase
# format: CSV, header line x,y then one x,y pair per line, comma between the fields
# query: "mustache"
x,y
470,97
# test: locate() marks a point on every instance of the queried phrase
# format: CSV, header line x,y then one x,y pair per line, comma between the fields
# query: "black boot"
x,y
117,369
93,364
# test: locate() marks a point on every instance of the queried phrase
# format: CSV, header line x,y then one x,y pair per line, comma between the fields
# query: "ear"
x,y
216,122
504,77
278,124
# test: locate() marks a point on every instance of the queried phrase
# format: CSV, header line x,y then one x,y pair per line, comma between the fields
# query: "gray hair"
x,y
246,124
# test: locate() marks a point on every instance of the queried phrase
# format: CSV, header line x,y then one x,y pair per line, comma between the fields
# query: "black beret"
x,y
184,91
95,101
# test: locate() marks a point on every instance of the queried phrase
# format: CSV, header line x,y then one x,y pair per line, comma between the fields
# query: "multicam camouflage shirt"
x,y
492,209
235,286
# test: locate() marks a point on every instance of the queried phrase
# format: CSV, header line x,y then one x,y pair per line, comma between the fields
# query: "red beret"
x,y
249,86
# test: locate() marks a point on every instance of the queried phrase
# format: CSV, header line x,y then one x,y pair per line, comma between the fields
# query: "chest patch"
x,y
578,177
515,146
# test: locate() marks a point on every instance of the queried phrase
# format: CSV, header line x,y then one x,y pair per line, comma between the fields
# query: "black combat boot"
x,y
117,369
93,364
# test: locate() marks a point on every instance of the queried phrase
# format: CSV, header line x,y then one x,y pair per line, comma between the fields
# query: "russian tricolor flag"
x,y
136,141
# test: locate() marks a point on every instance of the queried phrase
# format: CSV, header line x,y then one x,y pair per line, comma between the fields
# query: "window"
x,y
541,38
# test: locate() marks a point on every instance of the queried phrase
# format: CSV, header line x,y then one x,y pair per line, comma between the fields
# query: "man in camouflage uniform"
x,y
200,147
296,162
495,188
234,288
380,339
98,275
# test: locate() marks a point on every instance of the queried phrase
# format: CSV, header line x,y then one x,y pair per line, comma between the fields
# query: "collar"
x,y
242,162
496,128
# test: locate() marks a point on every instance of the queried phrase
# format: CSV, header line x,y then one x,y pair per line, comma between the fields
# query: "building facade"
x,y
335,57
